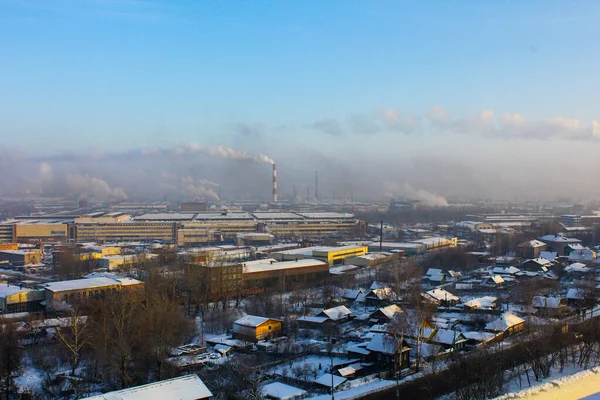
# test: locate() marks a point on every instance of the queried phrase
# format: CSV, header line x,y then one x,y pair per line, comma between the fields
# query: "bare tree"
x,y
73,334
10,355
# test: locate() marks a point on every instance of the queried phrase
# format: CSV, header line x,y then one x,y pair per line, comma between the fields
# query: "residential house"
x,y
377,297
530,249
576,297
253,329
578,269
385,314
552,306
434,276
507,323
387,349
441,297
336,314
577,252
494,281
352,294
281,391
505,271
488,303
558,243
536,265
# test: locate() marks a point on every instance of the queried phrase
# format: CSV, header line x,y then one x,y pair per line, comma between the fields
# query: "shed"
x,y
252,328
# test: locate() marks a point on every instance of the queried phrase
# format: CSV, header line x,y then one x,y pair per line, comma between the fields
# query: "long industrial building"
x,y
185,229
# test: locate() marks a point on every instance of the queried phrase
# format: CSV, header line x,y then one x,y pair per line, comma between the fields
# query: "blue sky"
x,y
100,70
332,77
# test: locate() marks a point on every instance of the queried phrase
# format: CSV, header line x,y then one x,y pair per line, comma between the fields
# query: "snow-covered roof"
x,y
497,279
359,349
222,348
281,391
383,343
381,294
337,313
9,290
326,379
434,271
549,255
532,243
389,311
463,286
188,387
378,285
505,270
540,261
506,321
442,295
575,294
252,321
89,283
351,293
479,336
558,239
577,267
314,320
350,369
546,302
447,337
482,303
250,267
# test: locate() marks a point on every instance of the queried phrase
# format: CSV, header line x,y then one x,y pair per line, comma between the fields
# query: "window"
x,y
269,327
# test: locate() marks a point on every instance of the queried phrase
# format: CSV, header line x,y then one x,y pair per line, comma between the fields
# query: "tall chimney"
x,y
274,184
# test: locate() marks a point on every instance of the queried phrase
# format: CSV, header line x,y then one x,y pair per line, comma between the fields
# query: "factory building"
x,y
27,230
15,299
254,239
18,258
126,232
82,289
263,274
329,254
251,277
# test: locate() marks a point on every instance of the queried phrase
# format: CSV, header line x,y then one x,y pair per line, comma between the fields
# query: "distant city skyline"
x,y
500,93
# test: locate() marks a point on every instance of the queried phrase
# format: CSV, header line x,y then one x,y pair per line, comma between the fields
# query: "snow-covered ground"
x,y
358,391
574,384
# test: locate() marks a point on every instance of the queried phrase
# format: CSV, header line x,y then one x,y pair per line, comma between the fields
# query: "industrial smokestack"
x,y
274,183
317,186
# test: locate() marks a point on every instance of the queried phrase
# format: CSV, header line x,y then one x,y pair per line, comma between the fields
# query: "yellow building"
x,y
15,299
253,329
329,254
33,230
337,255
9,246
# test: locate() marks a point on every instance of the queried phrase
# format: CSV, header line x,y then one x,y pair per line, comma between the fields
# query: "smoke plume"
x,y
86,186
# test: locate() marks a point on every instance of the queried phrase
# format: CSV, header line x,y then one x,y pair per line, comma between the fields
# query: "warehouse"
x,y
19,258
81,289
264,274
15,299
253,329
329,254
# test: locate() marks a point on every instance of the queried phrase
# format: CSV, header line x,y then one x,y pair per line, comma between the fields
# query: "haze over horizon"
x,y
426,100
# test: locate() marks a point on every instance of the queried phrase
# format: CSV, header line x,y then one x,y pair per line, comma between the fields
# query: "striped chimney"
x,y
274,183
